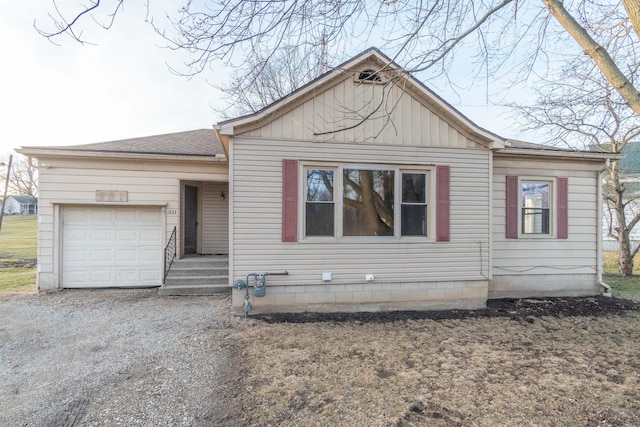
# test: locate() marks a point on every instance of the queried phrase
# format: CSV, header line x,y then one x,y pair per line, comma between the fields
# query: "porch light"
x,y
222,196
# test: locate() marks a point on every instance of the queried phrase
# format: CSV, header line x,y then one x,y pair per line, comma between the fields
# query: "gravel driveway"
x,y
116,357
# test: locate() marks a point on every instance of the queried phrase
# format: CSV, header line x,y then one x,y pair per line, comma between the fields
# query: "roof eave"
x,y
560,154
48,152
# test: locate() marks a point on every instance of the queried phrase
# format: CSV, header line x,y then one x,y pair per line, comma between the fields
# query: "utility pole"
x,y
6,188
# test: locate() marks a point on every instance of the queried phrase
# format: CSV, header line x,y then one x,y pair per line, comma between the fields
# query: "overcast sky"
x,y
121,87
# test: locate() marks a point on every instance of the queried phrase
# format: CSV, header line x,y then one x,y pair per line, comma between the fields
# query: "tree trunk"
x,y
599,54
625,258
633,10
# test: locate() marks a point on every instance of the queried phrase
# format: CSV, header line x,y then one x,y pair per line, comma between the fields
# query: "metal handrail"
x,y
169,254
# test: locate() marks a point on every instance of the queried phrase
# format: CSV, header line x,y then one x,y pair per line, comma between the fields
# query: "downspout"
x,y
599,248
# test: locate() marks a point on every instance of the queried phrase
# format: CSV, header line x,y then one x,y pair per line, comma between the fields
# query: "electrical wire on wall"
x,y
551,267
481,262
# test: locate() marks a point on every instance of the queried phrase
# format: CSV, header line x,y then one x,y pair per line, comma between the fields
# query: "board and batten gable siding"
x,y
75,181
405,269
403,118
553,265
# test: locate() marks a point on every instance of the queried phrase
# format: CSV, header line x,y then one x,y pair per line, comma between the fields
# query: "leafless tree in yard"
x,y
261,81
23,179
585,111
507,36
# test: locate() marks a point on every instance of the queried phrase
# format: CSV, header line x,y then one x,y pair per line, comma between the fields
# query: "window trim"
x,y
553,208
398,169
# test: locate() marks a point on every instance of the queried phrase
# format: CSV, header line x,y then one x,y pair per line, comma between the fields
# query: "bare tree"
x,y
261,82
506,35
585,111
23,179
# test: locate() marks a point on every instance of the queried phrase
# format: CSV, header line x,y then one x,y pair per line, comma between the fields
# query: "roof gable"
x,y
338,111
24,200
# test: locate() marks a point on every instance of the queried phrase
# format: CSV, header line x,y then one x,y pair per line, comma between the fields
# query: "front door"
x,y
190,219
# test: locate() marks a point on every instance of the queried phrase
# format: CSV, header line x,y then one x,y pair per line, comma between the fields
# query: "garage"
x,y
111,246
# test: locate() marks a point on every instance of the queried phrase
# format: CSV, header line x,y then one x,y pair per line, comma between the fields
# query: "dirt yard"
x,y
559,362
130,357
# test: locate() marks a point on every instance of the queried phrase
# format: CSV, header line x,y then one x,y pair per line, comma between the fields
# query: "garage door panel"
x,y
127,217
150,235
149,255
76,216
127,276
101,216
149,276
101,235
77,256
150,216
112,247
99,256
73,235
126,235
126,255
76,279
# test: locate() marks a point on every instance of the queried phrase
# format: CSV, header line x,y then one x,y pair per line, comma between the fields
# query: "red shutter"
x,y
442,203
289,200
512,207
563,208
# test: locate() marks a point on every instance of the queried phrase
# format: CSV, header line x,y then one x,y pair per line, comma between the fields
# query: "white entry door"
x,y
111,247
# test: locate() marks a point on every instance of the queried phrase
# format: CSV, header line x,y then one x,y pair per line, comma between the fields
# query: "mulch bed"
x,y
526,309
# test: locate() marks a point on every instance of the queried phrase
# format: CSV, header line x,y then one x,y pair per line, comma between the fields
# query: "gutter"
x,y
599,248
560,154
89,154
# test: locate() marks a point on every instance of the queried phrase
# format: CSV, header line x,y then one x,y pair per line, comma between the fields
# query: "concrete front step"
x,y
207,289
221,279
198,275
182,271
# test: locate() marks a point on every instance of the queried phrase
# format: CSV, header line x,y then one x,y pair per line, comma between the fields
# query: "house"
x,y
21,205
629,167
362,190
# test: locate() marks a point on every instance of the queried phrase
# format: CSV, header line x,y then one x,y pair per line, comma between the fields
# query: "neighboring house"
x,y
629,167
21,205
416,208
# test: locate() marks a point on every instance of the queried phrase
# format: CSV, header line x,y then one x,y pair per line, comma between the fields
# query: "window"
x,y
414,204
320,203
352,201
368,202
535,207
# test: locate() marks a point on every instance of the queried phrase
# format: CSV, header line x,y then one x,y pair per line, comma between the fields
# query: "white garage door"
x,y
111,247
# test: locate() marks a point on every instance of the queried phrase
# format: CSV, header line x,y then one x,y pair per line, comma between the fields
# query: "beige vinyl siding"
x,y
403,119
75,181
257,246
531,266
215,224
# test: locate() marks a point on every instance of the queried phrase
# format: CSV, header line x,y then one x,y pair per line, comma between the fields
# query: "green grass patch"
x,y
18,253
624,287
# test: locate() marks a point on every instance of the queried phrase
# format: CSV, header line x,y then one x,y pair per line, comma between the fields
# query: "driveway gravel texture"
x,y
116,357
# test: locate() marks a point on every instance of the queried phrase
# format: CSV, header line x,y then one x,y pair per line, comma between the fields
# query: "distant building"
x,y
629,168
21,205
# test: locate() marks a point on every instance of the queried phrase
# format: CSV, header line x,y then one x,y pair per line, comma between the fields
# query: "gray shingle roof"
x,y
201,142
24,199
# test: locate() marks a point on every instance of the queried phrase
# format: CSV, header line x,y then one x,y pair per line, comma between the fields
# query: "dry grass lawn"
x,y
495,371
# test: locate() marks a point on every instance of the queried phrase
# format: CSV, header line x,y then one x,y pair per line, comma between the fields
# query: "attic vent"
x,y
369,76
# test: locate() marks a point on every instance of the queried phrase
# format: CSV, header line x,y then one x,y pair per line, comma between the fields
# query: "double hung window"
x,y
535,197
353,201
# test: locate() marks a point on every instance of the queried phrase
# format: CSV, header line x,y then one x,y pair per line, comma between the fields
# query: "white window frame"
x,y
552,207
338,169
